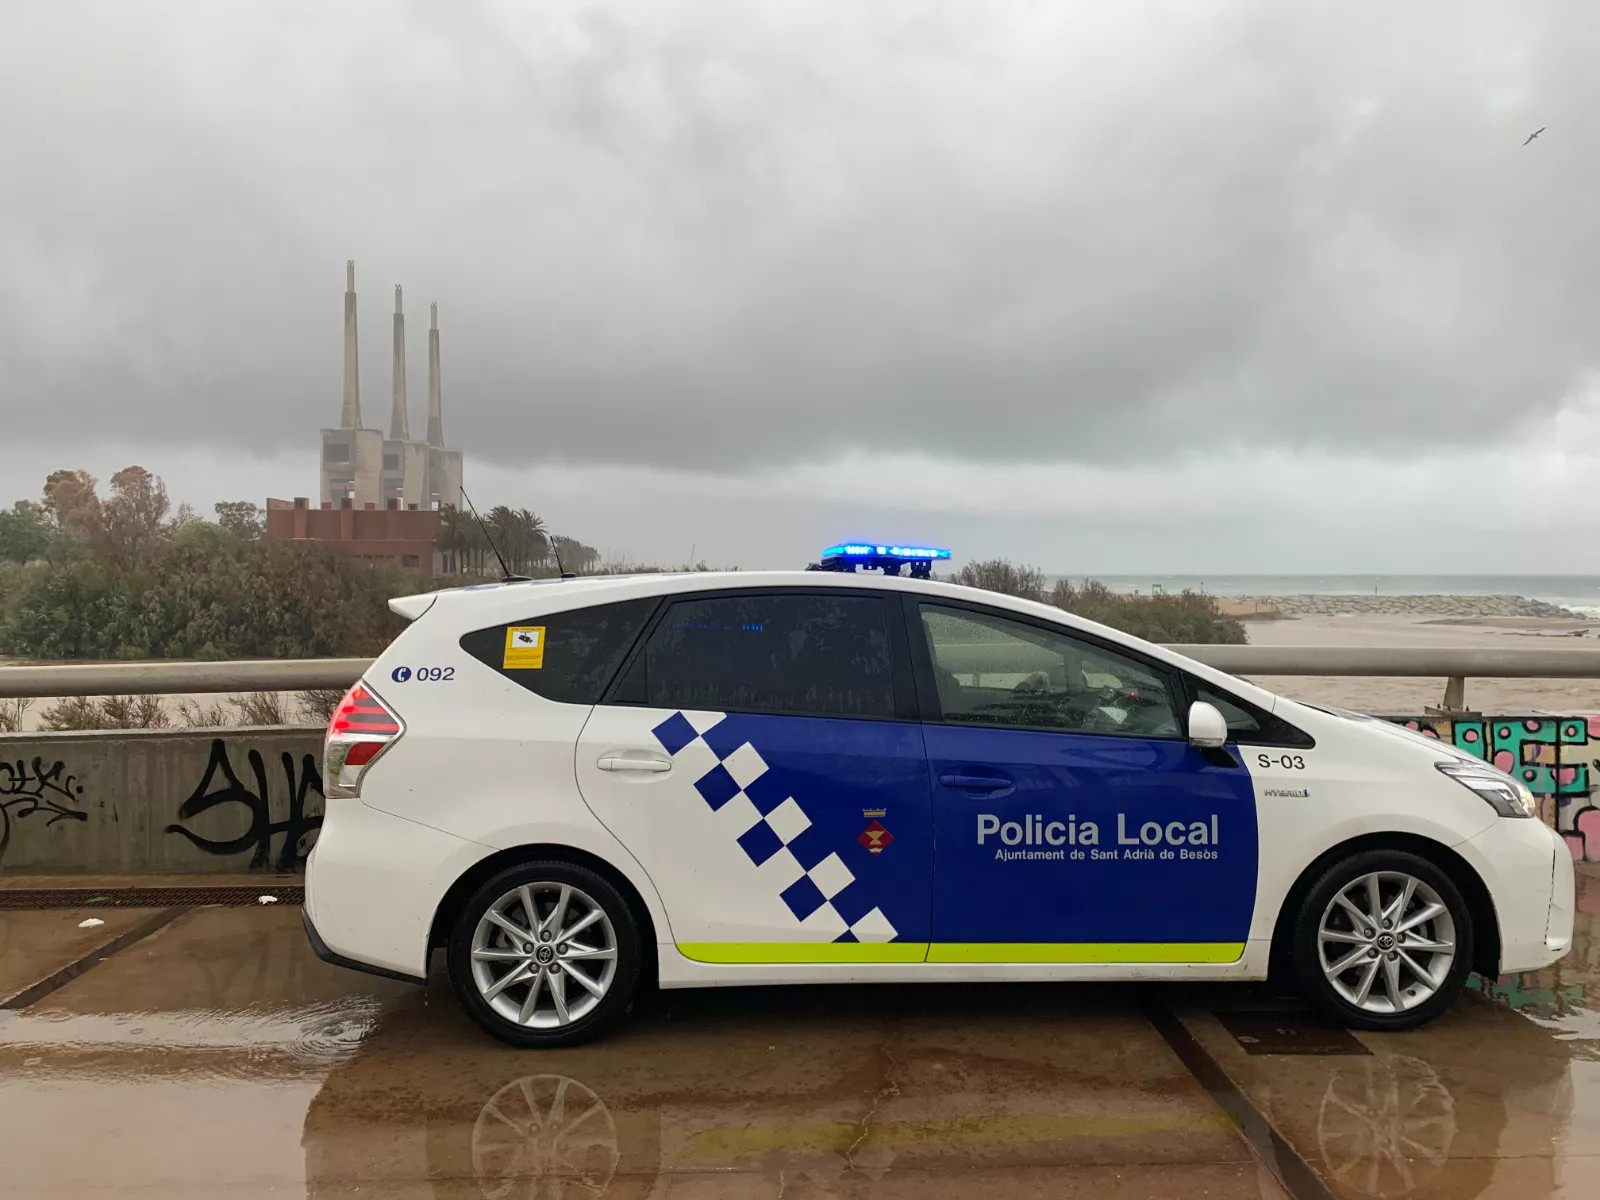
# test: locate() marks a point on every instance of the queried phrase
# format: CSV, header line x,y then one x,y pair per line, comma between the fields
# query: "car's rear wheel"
x,y
545,954
1383,941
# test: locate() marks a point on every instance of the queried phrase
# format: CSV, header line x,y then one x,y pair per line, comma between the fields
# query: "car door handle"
x,y
635,762
977,783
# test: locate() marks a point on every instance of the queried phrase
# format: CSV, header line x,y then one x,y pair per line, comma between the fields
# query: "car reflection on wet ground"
x,y
214,1056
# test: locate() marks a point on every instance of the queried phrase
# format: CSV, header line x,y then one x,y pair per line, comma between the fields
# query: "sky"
x,y
1241,286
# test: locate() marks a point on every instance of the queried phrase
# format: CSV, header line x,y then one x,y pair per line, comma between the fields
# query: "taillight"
x,y
362,727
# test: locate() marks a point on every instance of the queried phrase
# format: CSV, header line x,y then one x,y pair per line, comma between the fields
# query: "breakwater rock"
x,y
1430,606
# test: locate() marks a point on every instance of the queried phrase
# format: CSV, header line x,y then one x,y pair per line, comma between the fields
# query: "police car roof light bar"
x,y
849,556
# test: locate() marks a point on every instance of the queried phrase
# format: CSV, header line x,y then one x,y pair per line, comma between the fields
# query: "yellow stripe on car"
x,y
962,952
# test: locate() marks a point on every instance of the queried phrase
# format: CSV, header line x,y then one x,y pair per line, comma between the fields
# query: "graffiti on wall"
x,y
297,828
1556,757
29,788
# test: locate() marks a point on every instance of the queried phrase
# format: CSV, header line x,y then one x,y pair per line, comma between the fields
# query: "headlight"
x,y
1503,793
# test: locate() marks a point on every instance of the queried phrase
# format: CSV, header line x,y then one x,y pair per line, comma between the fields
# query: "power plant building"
x,y
363,466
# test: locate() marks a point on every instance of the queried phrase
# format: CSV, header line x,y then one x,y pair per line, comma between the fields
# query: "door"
x,y
761,757
1073,821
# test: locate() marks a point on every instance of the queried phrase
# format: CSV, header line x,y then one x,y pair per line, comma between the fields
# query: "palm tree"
x,y
506,535
536,539
452,538
474,548
575,556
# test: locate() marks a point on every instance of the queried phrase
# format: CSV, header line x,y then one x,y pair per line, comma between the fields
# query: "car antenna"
x,y
554,540
507,576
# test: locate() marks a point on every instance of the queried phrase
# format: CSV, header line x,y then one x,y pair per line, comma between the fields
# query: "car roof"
x,y
534,596
481,605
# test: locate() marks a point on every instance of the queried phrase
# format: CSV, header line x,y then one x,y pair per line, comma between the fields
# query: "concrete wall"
x,y
357,473
229,800
407,481
159,801
444,477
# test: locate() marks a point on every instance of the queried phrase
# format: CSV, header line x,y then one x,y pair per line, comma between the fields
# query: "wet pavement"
x,y
34,945
215,1056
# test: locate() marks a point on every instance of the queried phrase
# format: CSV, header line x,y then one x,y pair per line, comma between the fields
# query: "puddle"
x,y
1564,998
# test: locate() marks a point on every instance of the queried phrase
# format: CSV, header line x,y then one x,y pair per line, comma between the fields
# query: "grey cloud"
x,y
731,234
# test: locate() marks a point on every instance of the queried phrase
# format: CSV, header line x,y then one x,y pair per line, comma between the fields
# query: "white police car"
x,y
805,777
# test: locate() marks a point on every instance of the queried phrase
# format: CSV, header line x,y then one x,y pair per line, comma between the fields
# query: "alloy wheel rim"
x,y
544,1135
1386,942
544,955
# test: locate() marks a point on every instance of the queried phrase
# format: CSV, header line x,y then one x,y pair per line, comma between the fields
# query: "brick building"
x,y
392,535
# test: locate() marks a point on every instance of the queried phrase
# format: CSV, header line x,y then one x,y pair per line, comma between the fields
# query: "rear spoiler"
x,y
412,607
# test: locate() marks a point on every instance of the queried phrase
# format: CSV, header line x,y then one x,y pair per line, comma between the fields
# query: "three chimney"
x,y
399,417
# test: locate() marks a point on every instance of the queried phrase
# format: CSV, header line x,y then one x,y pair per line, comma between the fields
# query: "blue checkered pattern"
x,y
821,891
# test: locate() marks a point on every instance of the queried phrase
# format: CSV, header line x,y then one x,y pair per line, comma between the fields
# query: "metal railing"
x,y
165,678
289,675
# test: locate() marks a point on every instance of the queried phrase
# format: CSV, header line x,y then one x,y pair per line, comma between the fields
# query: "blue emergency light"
x,y
849,556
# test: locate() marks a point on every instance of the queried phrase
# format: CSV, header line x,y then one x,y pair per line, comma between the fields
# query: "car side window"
x,y
802,654
579,650
989,670
1240,720
1248,724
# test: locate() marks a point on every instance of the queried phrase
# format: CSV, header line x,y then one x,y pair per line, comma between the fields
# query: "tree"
x,y
536,539
139,582
131,519
73,610
504,535
475,548
205,534
240,518
575,556
520,537
452,538
71,505
25,533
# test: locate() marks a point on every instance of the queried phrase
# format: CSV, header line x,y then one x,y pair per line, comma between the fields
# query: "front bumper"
x,y
1528,870
1563,903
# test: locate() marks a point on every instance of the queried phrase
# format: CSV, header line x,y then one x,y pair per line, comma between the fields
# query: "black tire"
x,y
624,984
1307,923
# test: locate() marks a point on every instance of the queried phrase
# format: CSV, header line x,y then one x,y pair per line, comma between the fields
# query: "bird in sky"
x,y
1536,133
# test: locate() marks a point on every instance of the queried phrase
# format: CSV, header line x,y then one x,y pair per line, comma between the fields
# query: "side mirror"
x,y
1207,727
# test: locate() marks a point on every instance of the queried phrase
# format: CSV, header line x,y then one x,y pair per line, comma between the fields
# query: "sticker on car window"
x,y
524,648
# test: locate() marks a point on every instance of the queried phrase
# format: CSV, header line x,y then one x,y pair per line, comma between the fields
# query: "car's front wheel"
x,y
545,954
1383,941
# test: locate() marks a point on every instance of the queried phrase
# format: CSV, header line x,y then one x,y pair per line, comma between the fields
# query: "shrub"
x,y
11,714
1189,618
1186,619
211,715
106,712
262,708
134,712
998,575
70,610
208,596
317,705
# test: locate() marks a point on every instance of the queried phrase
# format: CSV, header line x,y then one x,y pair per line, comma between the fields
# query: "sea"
x,y
1580,593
